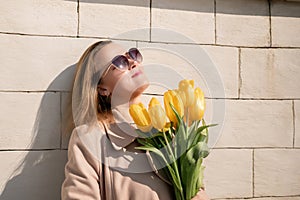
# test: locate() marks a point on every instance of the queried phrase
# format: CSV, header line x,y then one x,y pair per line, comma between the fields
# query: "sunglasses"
x,y
121,62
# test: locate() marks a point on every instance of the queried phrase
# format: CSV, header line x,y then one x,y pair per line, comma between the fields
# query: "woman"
x,y
102,161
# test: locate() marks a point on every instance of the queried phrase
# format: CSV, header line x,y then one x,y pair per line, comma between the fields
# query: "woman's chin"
x,y
140,83
128,88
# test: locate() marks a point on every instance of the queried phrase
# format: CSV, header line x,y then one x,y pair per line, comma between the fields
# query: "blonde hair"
x,y
89,107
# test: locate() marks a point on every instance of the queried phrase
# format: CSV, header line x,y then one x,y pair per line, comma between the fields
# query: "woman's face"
x,y
126,83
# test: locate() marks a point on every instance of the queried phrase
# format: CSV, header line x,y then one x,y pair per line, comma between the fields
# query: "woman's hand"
x,y
201,195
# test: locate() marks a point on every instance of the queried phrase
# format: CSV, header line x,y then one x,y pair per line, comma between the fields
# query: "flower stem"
x,y
173,161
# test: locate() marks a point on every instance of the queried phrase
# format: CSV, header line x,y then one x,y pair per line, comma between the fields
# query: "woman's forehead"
x,y
108,52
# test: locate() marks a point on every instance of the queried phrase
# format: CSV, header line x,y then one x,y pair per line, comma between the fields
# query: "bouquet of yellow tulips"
x,y
179,144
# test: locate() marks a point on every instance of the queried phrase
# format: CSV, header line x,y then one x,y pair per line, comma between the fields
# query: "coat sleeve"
x,y
81,172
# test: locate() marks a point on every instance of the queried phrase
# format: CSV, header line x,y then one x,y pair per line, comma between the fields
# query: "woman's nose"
x,y
132,64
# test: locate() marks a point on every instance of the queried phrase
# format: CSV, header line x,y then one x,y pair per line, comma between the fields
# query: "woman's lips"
x,y
136,74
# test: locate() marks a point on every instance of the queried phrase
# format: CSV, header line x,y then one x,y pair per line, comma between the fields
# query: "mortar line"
x,y
294,122
251,148
297,195
154,94
239,73
31,91
12,150
234,98
253,173
78,17
270,22
37,35
157,42
215,148
218,45
254,99
150,31
215,16
136,44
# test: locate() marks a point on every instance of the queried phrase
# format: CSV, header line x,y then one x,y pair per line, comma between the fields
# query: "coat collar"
x,y
122,132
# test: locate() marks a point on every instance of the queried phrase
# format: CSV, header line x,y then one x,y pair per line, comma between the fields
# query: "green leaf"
x,y
200,150
206,130
179,118
141,133
192,168
175,179
158,134
154,150
201,135
180,145
194,173
146,142
200,183
192,131
165,151
203,127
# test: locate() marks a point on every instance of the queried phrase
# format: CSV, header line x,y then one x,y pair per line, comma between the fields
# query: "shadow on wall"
x,y
41,173
222,7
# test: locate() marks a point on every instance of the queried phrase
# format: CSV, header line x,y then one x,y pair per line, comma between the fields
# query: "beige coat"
x,y
88,175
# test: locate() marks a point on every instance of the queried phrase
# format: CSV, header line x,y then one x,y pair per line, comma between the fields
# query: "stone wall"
x,y
254,44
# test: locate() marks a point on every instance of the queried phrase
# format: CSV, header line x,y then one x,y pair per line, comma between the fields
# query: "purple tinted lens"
x,y
120,62
135,54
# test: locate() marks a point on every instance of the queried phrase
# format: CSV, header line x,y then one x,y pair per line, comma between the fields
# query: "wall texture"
x,y
255,45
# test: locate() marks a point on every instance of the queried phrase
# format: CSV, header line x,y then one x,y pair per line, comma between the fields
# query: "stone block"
x,y
297,123
228,173
32,175
48,17
32,63
194,20
226,61
242,23
167,64
257,123
285,23
276,172
30,120
127,20
270,73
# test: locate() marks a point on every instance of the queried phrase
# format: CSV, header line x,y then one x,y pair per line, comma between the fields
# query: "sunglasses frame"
x,y
129,52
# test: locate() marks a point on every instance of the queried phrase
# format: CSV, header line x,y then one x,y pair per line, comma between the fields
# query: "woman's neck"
x,y
121,110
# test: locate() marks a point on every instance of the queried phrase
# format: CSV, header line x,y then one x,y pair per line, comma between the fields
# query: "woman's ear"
x,y
102,91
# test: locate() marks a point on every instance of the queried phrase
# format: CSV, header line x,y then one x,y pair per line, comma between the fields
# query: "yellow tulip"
x,y
196,110
141,117
157,114
186,91
181,95
173,97
153,102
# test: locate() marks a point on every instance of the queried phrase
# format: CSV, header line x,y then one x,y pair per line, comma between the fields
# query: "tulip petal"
x,y
157,114
171,97
140,116
158,117
196,110
186,87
